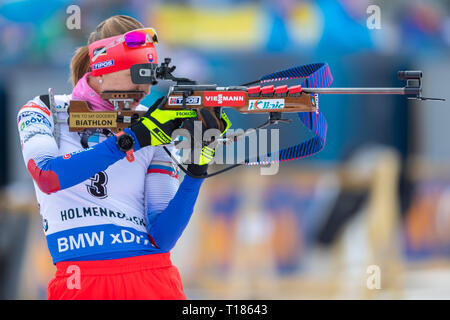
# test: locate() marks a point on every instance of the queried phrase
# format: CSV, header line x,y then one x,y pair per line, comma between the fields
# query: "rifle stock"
x,y
82,117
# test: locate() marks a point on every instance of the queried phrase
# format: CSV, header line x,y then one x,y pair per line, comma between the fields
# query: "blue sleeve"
x,y
166,227
56,173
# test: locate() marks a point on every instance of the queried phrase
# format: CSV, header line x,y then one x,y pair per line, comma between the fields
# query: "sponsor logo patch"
x,y
189,113
35,106
224,98
191,101
316,100
28,118
68,155
62,107
96,51
103,64
266,104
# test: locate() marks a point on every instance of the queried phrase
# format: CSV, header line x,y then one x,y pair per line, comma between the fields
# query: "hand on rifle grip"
x,y
202,149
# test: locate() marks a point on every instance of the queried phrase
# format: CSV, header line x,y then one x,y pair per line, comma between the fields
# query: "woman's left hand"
x,y
203,151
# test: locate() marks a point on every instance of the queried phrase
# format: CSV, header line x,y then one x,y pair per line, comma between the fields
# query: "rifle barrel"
x,y
400,91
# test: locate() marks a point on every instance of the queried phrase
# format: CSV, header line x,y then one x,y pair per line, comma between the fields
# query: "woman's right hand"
x,y
156,126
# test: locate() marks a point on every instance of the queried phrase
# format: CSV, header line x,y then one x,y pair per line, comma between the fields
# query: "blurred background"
x,y
366,218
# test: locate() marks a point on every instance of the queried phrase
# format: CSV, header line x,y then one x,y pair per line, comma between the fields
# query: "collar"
x,y
82,91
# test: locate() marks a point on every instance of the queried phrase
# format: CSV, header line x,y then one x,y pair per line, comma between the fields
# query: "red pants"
x,y
149,277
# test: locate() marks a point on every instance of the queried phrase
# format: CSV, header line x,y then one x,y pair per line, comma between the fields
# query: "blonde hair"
x,y
110,27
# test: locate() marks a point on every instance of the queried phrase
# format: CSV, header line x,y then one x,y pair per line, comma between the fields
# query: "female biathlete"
x,y
112,206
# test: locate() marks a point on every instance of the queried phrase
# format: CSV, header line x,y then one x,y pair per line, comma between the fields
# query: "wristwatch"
x,y
125,142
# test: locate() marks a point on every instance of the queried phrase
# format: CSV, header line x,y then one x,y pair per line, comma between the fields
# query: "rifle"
x,y
248,98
